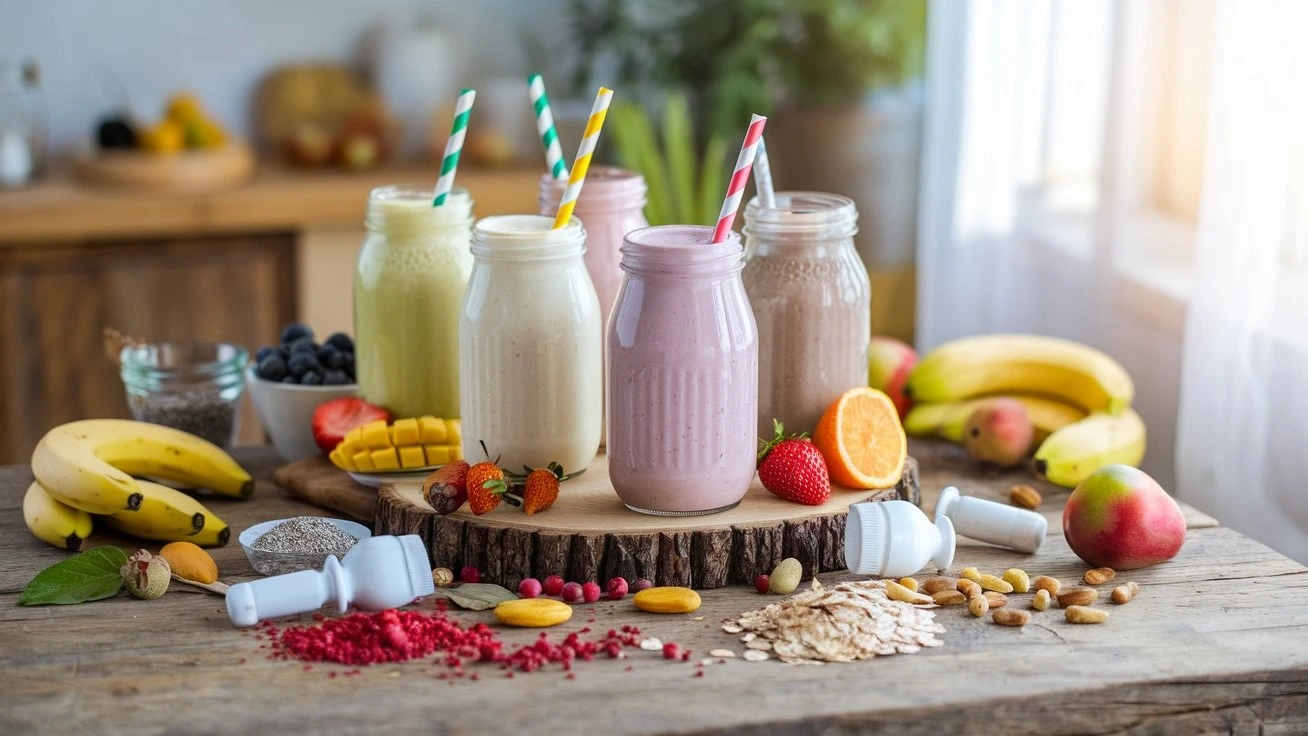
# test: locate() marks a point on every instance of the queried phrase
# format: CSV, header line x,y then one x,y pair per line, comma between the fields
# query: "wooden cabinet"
x,y
57,299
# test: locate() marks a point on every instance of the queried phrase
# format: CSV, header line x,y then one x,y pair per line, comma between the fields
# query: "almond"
x,y
936,584
996,600
1044,582
969,588
948,598
1078,597
1010,617
978,606
1099,575
1024,496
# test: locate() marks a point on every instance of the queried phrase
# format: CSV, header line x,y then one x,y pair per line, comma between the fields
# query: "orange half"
x,y
862,440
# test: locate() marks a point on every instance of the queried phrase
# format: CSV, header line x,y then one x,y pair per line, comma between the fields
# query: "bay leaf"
x,y
87,576
477,596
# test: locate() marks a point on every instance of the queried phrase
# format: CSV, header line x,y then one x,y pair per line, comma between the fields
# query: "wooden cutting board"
x,y
315,480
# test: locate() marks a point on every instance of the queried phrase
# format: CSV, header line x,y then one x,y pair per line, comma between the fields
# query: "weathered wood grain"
x,y
1217,642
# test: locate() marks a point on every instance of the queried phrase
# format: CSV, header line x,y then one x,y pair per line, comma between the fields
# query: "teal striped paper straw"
x,y
549,137
454,145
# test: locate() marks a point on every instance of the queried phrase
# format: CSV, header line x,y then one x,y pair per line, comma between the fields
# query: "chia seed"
x,y
305,535
205,414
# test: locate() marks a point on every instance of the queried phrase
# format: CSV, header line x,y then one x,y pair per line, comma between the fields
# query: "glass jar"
x,y
529,347
22,123
408,290
192,386
812,302
611,205
682,373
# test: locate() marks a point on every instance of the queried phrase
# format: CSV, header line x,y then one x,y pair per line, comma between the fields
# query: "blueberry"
x,y
290,379
305,345
330,357
294,331
336,378
349,362
312,378
264,352
302,363
271,368
341,342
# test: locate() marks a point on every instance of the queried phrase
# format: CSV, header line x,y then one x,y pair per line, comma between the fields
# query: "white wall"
x,y
222,49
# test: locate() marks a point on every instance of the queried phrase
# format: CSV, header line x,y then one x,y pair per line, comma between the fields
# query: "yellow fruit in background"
x,y
167,137
203,133
183,107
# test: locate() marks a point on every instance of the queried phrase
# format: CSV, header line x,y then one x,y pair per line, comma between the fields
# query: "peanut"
x,y
1041,600
897,592
533,613
190,562
1077,597
996,600
785,576
1024,496
970,573
948,598
1124,593
978,606
1085,615
1010,617
1044,582
1018,578
667,599
999,585
910,583
969,588
937,584
1099,575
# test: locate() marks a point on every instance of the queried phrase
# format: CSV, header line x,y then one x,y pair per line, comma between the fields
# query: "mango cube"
x,y
353,437
387,459
363,461
432,430
341,460
439,454
412,457
456,433
375,435
404,432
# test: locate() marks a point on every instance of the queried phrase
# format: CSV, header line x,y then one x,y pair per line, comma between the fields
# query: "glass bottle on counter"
x,y
408,290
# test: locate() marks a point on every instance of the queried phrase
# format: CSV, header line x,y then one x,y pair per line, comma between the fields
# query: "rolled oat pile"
x,y
843,623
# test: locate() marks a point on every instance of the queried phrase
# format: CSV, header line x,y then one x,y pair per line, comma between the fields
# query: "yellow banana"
x,y
89,464
168,515
53,522
1079,449
1028,364
947,420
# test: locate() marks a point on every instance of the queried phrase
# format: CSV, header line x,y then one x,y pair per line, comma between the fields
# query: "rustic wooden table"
x,y
1217,642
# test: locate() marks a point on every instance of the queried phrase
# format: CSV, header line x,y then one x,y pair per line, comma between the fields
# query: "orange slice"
x,y
862,440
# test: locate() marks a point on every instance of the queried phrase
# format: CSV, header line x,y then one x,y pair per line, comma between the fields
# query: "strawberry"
x,y
792,468
486,485
446,489
541,489
332,419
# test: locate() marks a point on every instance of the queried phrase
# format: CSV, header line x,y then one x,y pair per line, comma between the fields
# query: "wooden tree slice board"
x,y
590,535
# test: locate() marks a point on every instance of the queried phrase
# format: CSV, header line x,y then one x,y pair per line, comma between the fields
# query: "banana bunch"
x,y
85,470
1078,399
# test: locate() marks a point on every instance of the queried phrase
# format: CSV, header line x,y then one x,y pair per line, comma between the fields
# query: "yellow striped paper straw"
x,y
582,162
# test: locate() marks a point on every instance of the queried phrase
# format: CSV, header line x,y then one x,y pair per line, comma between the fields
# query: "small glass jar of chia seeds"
x,y
192,386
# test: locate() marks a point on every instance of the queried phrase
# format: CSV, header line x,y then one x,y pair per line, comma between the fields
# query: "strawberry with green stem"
x,y
791,467
540,489
486,487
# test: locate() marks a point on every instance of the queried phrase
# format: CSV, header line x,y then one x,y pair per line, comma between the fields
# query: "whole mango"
x,y
889,363
1119,517
999,432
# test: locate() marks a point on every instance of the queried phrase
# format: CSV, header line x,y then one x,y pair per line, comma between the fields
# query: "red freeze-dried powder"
x,y
396,636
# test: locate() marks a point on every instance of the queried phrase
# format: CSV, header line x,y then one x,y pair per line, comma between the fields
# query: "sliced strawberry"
x,y
333,419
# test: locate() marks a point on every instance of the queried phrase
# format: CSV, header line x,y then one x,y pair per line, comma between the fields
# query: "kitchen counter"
x,y
1216,642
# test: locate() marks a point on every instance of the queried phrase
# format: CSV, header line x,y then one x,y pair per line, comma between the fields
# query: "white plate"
x,y
376,480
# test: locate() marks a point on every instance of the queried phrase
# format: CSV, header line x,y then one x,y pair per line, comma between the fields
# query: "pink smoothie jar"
x,y
611,205
682,374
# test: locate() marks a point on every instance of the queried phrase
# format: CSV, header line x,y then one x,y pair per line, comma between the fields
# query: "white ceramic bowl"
x,y
286,412
280,563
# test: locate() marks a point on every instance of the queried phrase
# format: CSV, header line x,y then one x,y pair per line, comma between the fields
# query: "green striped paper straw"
x,y
454,145
549,137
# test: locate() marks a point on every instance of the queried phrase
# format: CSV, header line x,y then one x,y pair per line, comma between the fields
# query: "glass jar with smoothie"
x,y
530,347
408,290
682,374
611,205
812,303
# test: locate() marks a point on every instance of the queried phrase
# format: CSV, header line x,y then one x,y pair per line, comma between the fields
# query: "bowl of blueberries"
x,y
288,381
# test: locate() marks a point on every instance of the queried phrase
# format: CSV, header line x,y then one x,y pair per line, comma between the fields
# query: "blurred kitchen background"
x,y
1132,174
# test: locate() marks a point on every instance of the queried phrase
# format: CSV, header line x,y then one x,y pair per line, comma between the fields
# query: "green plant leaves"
x,y
477,596
88,576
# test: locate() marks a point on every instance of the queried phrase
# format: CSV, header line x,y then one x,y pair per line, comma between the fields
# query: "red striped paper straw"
x,y
736,189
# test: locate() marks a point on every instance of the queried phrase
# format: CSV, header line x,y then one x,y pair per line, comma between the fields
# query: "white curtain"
x,y
1040,212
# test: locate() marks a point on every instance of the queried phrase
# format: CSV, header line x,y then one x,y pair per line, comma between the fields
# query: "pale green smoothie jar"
x,y
408,290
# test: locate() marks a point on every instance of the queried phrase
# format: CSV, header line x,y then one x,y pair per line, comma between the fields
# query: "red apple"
x,y
889,363
1121,518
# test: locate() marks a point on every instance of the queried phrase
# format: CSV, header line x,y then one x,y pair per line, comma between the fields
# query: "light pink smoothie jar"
x,y
682,374
611,205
